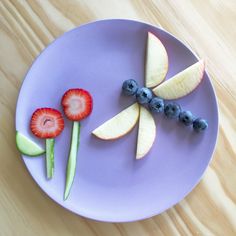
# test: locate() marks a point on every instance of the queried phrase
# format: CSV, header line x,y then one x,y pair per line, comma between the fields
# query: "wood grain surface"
x,y
208,27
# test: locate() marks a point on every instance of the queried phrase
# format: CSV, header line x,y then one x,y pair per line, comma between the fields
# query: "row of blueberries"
x,y
171,110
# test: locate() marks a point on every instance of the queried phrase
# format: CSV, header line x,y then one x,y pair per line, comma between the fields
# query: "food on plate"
x,y
200,125
177,86
146,133
129,87
27,147
186,117
144,95
182,83
156,61
77,104
47,123
156,105
119,125
172,110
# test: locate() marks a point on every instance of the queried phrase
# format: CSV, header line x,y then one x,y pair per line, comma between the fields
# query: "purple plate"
x,y
110,185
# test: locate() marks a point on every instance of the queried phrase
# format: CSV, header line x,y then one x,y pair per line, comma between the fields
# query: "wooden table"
x,y
208,27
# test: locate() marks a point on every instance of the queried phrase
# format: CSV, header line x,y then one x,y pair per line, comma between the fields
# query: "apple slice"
x,y
181,84
156,61
119,125
146,133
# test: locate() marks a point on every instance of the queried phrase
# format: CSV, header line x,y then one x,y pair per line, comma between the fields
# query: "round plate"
x,y
110,185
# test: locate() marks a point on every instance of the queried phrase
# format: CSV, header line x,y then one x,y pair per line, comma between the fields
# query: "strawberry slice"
x,y
46,123
77,104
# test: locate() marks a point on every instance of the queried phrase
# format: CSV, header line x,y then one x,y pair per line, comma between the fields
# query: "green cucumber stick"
x,y
71,164
50,157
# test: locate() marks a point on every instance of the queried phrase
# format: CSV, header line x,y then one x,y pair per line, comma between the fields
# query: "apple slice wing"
x,y
146,133
182,83
156,61
118,125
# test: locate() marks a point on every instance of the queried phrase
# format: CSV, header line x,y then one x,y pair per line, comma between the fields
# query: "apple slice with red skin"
x,y
146,133
156,61
182,83
119,125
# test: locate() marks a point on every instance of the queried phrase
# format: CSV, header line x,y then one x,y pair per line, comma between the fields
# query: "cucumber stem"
x,y
50,157
71,164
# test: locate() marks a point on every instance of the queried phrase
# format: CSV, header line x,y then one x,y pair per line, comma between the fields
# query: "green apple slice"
x,y
27,146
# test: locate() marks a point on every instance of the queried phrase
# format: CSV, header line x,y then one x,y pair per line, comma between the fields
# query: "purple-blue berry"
x,y
172,110
130,87
156,105
200,124
144,95
186,117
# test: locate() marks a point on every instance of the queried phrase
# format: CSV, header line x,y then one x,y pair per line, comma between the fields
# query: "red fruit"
x,y
77,104
46,123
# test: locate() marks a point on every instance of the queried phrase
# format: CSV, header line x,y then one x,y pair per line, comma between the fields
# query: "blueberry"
x,y
172,110
200,125
186,117
156,105
130,87
144,95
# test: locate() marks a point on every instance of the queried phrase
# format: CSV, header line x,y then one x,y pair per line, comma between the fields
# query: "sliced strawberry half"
x,y
46,123
77,104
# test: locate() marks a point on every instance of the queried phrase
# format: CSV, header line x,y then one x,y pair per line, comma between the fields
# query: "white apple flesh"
x,y
119,125
182,83
146,133
156,61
